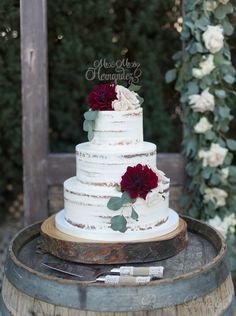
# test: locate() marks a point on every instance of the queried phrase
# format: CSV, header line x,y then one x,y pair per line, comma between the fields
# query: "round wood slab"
x,y
92,252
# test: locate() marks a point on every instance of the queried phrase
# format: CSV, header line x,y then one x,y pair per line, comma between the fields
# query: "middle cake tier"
x,y
98,173
104,168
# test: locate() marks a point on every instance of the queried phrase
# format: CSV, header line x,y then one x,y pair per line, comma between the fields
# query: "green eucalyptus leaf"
x,y
86,125
90,115
206,172
196,48
177,56
118,188
193,169
202,23
90,130
90,135
215,179
194,212
224,111
228,28
134,87
115,203
232,176
170,75
229,79
231,143
193,87
228,159
119,223
209,135
222,10
126,198
134,214
140,99
220,93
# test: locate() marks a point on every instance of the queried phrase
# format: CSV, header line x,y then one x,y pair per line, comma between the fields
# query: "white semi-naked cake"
x,y
118,194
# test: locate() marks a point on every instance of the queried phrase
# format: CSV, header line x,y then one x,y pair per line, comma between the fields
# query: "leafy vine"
x,y
204,77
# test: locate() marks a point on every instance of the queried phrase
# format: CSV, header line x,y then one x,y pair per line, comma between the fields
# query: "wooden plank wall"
x,y
44,172
35,107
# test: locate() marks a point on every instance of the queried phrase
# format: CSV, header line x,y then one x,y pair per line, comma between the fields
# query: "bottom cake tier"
x,y
167,226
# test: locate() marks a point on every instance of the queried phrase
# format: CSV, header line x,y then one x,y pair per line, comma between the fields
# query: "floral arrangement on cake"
x,y
136,182
205,77
110,97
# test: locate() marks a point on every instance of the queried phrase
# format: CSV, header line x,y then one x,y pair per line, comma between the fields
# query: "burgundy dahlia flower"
x,y
100,99
138,181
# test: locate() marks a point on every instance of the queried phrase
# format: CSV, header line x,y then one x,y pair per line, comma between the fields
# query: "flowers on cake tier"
x,y
110,97
137,182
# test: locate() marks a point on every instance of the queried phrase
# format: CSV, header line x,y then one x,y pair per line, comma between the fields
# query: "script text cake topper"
x,y
115,71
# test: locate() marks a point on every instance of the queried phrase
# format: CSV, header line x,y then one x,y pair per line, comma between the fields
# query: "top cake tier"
x,y
118,128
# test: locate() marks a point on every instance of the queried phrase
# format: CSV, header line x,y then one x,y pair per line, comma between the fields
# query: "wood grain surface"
x,y
92,252
196,282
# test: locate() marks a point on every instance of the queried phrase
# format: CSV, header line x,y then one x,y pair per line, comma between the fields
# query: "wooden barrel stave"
x,y
170,296
212,304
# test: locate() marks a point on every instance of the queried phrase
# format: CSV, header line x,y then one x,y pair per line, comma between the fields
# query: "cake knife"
x,y
154,271
107,279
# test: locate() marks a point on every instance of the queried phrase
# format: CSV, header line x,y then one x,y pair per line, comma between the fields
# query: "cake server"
x,y
107,279
154,271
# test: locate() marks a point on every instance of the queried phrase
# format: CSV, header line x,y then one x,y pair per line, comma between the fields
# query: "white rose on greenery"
x,y
219,225
213,157
224,1
230,222
202,126
202,102
213,38
224,174
206,68
215,195
210,5
126,99
224,226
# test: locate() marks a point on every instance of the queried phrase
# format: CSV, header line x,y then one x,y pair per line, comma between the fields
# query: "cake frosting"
x,y
117,144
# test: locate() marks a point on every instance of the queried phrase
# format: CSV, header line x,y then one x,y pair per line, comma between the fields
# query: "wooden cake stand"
x,y
93,252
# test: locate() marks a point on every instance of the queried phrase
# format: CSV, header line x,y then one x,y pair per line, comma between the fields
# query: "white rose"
x,y
217,196
202,126
126,99
224,1
213,38
230,222
213,157
202,102
224,226
206,68
224,174
120,105
219,225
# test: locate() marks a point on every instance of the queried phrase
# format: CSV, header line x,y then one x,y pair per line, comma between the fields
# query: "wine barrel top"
x,y
197,270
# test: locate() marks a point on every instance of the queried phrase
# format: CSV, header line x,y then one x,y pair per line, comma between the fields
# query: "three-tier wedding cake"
x,y
118,194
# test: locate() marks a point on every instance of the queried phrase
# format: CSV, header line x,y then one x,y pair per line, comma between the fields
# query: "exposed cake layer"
x,y
118,128
114,236
98,168
86,208
105,168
